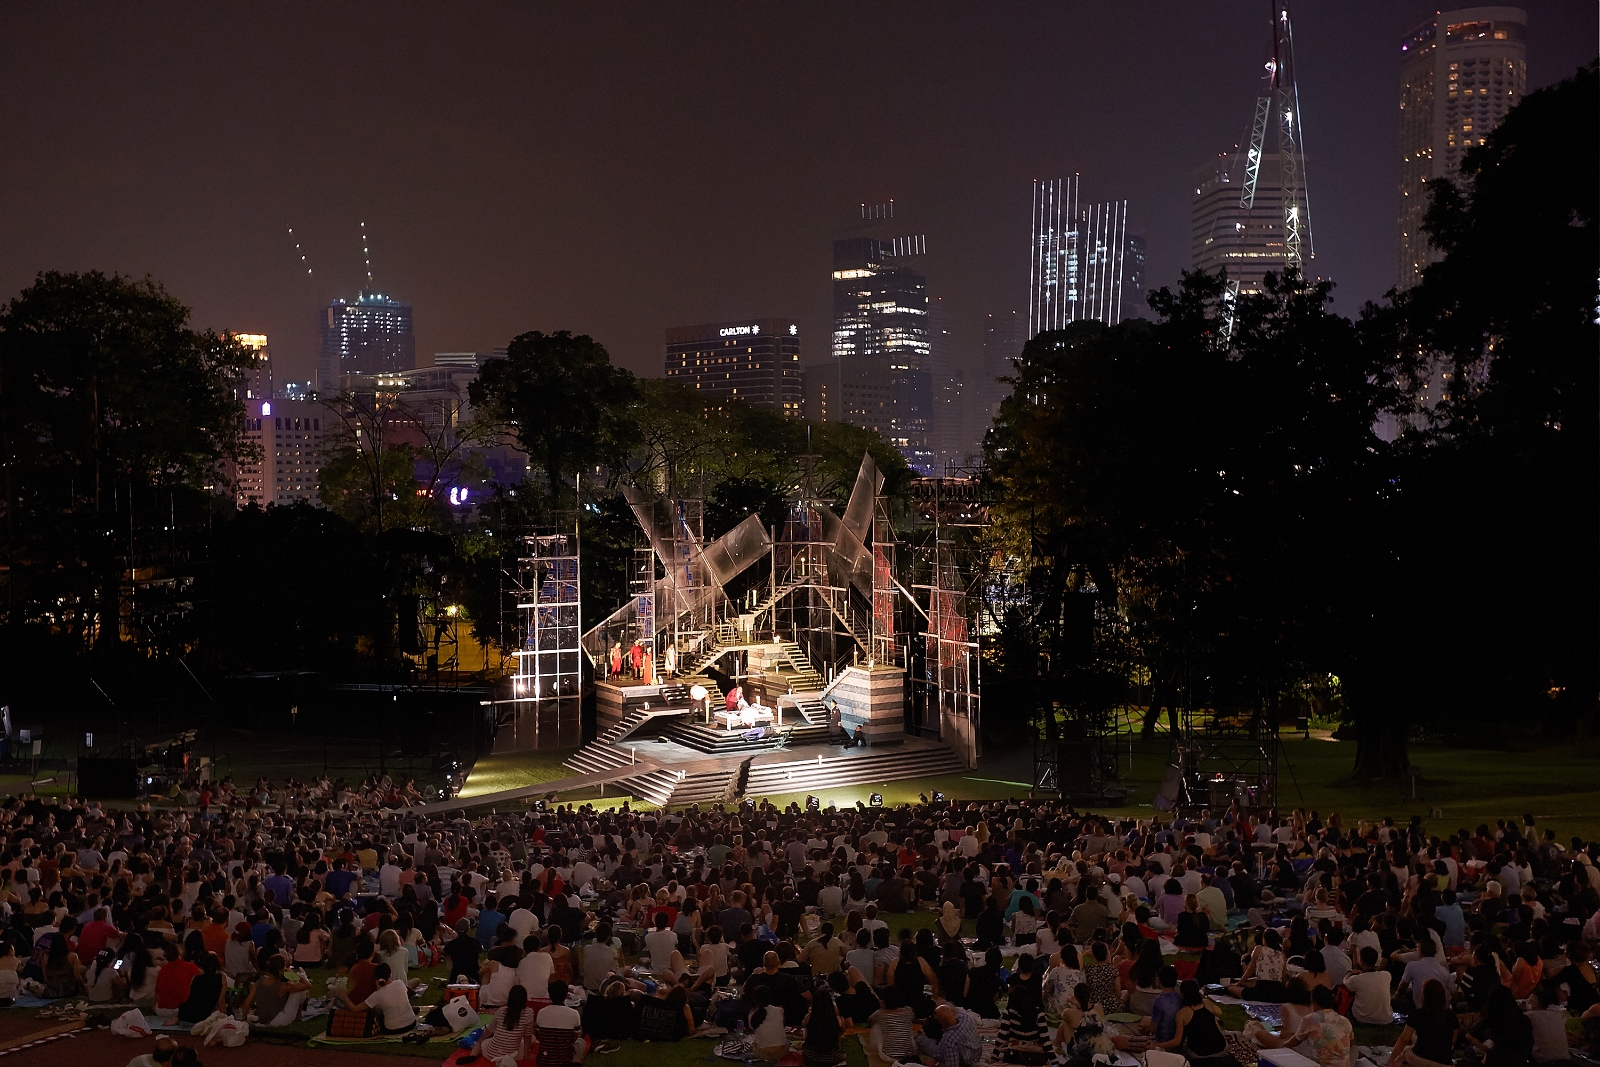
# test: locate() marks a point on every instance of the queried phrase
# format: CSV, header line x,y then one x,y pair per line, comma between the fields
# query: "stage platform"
x,y
670,773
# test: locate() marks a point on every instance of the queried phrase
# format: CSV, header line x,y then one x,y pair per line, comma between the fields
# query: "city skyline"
x,y
491,231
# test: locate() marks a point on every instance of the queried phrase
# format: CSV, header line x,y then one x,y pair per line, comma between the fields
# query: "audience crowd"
x,y
1044,934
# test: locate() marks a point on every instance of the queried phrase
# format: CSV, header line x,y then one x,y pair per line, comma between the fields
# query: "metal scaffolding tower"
x,y
546,705
946,665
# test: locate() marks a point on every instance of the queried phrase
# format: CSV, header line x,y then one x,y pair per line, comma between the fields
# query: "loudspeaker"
x,y
1073,762
109,778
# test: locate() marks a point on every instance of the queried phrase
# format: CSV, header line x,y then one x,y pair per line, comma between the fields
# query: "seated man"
x,y
559,1030
958,1043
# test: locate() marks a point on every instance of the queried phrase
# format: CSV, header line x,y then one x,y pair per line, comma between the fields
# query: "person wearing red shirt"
x,y
93,937
363,981
172,984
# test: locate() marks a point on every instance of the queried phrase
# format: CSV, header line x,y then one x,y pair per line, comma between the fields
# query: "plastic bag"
x,y
229,1033
459,1015
130,1024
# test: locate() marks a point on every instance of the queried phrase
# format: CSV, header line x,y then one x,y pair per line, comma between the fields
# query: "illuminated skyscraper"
x,y
370,335
257,383
1078,258
881,344
1460,72
754,360
1247,242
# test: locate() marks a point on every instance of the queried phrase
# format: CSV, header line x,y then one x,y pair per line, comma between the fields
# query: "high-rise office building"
x,y
1134,303
369,335
1460,72
1078,258
881,344
1247,242
257,381
753,360
290,436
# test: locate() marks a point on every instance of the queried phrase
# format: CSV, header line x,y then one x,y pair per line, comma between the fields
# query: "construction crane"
x,y
1279,105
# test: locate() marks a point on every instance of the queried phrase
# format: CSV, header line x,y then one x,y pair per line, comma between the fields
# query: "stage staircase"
x,y
654,783
831,772
640,716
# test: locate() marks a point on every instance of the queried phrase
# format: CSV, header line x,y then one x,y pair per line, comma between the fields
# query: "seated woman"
x,y
1023,1028
63,973
1199,1035
1264,973
1141,983
1322,1035
769,1039
824,1030
206,992
274,1001
510,1031
1194,926
1429,1037
1081,1035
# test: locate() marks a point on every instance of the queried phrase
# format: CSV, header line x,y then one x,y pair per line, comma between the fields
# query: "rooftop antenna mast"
x,y
366,251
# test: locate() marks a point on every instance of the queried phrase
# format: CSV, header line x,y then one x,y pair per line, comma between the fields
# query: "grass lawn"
x,y
1559,786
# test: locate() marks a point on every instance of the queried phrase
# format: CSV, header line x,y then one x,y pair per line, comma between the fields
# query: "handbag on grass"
x,y
352,1023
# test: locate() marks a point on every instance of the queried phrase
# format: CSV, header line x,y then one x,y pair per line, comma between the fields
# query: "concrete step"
x,y
837,771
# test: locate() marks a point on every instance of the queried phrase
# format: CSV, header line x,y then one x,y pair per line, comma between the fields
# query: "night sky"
x,y
618,169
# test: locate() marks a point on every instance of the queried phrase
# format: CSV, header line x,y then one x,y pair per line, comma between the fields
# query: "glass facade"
x,y
370,335
1460,72
882,346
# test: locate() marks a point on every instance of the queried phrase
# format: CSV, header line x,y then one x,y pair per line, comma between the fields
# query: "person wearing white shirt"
x,y
969,845
661,945
389,880
1190,880
1135,885
1371,988
393,1002
533,974
583,872
524,922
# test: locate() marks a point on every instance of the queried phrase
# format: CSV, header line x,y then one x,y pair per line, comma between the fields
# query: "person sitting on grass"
x,y
274,1001
510,1032
392,1000
1323,1035
666,1015
559,1030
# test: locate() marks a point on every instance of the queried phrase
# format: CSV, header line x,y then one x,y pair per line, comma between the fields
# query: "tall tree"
x,y
1500,515
111,408
1200,485
561,400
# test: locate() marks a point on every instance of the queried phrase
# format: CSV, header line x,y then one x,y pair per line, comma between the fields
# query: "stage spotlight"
x,y
876,800
813,803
